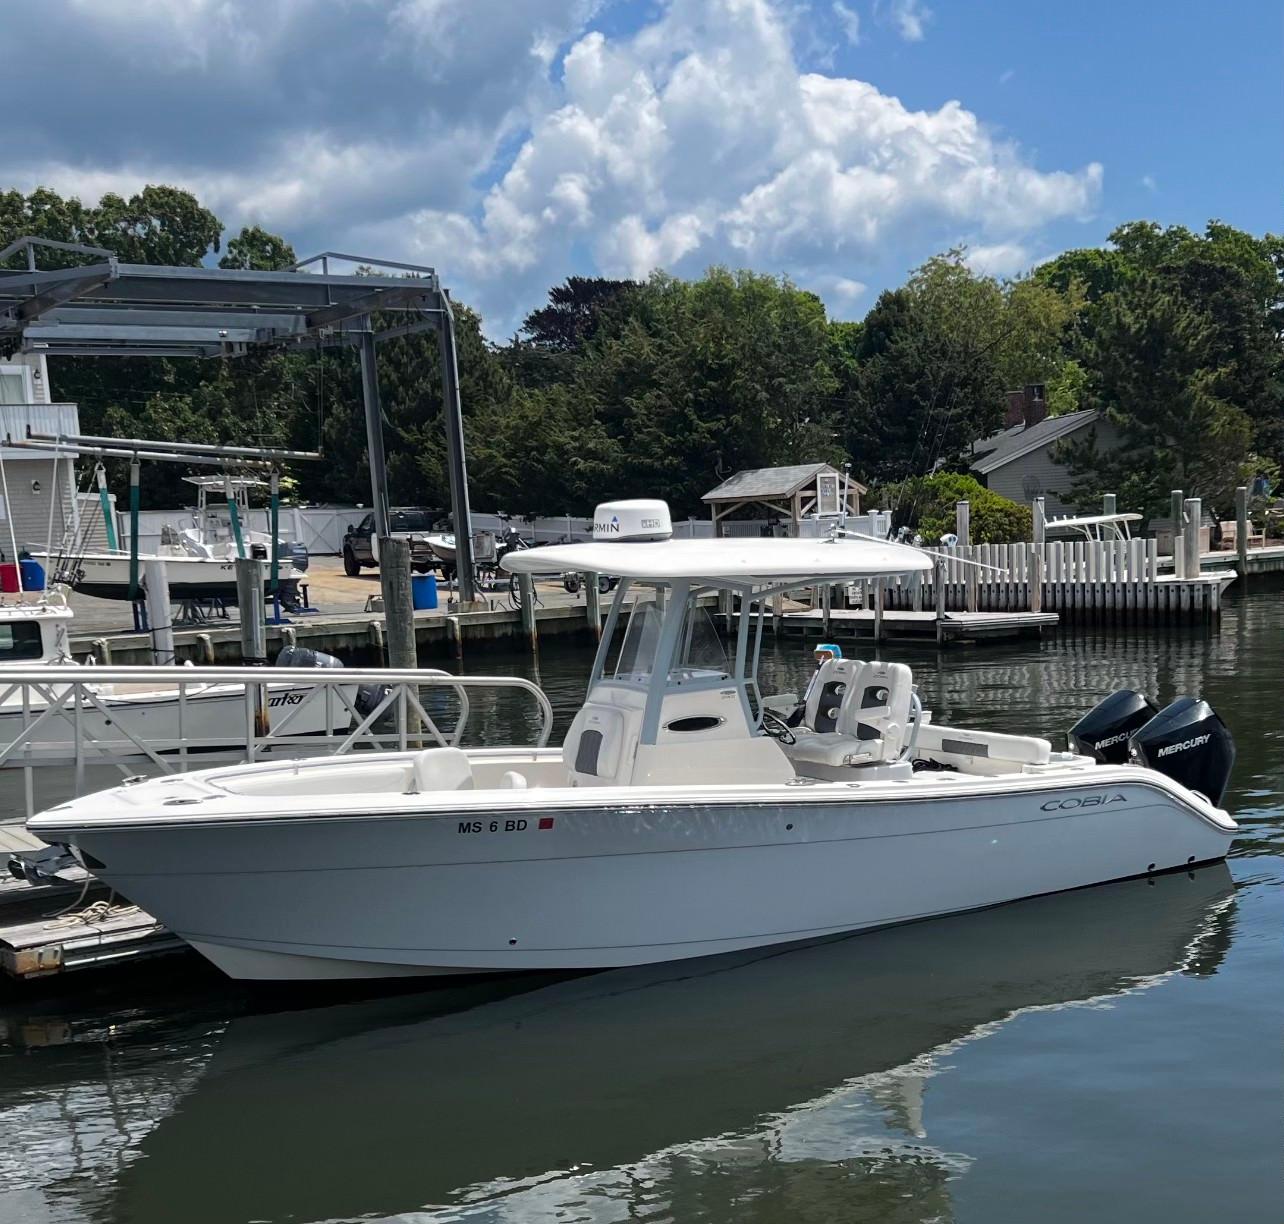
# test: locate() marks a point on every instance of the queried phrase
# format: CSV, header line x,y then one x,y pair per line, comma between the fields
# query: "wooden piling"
x,y
593,605
1176,502
1241,530
1190,536
398,602
526,587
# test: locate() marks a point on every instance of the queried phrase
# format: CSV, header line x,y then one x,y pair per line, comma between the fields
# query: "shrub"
x,y
926,505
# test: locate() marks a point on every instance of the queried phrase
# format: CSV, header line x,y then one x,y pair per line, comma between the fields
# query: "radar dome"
x,y
640,519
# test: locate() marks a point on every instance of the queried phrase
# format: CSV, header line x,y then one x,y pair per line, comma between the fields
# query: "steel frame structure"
x,y
107,308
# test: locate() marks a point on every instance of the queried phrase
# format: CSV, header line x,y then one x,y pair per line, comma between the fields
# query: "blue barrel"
x,y
33,576
423,591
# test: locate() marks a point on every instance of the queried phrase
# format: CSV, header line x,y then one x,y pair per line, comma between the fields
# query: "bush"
x,y
926,505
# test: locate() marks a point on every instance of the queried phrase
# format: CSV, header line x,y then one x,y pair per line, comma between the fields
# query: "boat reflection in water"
x,y
608,1096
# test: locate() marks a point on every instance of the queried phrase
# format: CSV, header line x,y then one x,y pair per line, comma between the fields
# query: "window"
x,y
15,384
700,655
366,524
19,641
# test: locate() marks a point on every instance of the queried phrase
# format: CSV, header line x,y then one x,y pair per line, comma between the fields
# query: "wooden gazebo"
x,y
793,492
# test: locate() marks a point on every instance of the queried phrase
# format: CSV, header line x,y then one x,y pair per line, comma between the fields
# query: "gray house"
x,y
1018,462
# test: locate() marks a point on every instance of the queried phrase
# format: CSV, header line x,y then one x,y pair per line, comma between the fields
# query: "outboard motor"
x,y
1103,732
370,697
302,656
1189,743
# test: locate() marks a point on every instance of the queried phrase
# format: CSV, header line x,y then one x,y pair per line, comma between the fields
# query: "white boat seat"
x,y
966,743
872,723
826,694
510,779
440,769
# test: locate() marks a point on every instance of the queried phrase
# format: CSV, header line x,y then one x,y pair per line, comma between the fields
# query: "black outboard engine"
x,y
302,656
1190,743
1103,732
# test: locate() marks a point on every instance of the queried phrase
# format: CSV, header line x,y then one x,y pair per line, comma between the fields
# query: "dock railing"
x,y
174,719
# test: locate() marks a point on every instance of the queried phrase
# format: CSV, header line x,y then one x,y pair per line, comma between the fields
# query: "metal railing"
x,y
179,718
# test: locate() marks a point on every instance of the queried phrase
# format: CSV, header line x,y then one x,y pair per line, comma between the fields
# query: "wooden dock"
x,y
70,922
952,627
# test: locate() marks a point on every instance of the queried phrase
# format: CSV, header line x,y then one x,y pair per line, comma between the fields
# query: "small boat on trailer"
x,y
682,816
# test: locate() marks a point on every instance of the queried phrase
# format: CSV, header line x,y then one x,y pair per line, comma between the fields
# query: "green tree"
x,y
258,250
936,356
1156,382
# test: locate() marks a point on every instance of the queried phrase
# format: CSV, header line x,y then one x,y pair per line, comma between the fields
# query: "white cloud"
x,y
698,139
1006,75
848,21
908,18
1149,183
513,150
1000,259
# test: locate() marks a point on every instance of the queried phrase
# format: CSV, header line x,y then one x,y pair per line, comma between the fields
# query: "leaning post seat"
x,y
872,722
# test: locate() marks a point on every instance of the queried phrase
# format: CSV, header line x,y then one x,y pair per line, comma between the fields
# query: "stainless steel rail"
x,y
180,718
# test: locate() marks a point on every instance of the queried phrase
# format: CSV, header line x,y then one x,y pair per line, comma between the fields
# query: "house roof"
x,y
754,484
1002,448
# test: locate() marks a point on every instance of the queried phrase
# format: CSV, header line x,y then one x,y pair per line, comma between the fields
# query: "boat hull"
x,y
107,577
523,885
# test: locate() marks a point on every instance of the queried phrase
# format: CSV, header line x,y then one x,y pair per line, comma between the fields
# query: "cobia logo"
x,y
1190,743
1082,801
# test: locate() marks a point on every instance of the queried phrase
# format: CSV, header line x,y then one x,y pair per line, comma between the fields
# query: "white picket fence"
x,y
1082,580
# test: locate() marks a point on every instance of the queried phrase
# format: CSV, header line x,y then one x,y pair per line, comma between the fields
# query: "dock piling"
x,y
1241,530
1191,519
160,615
526,591
1176,502
593,605
398,602
249,600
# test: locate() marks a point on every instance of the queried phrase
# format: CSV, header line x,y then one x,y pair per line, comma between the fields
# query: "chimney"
x,y
1016,409
1034,405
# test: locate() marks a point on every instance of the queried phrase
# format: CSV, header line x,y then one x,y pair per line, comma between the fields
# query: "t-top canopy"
x,y
733,560
1091,520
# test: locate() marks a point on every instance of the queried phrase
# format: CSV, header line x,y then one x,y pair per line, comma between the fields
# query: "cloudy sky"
x,y
513,142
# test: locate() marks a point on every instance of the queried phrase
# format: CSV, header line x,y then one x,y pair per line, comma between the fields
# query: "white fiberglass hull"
x,y
106,575
126,721
485,881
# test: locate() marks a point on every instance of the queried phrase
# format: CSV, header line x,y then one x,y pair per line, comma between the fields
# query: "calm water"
x,y
1112,1054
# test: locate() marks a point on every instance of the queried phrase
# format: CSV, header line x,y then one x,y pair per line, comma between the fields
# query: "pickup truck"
x,y
411,523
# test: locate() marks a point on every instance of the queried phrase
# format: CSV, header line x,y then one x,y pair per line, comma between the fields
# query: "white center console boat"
x,y
681,817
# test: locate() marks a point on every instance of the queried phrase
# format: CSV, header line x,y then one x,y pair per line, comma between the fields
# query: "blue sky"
x,y
514,142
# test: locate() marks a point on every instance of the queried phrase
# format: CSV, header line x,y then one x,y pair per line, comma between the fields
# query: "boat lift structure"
x,y
103,307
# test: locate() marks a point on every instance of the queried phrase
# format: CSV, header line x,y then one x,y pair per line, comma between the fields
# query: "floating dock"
x,y
919,626
70,922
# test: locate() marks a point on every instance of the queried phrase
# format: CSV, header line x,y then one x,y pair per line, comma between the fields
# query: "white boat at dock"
x,y
168,709
200,555
681,817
